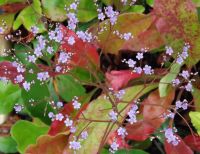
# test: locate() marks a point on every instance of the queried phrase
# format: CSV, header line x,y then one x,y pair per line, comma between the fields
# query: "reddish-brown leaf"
x,y
59,126
13,7
134,23
139,131
193,141
155,107
177,21
120,141
49,144
119,79
84,52
181,148
8,70
150,39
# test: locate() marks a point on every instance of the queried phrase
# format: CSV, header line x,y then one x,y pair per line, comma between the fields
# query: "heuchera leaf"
x,y
181,148
98,110
165,82
49,144
178,23
154,108
8,70
134,23
196,97
86,9
195,119
59,126
26,133
39,94
193,141
7,145
150,39
34,11
119,79
8,19
84,52
139,131
68,87
9,95
12,7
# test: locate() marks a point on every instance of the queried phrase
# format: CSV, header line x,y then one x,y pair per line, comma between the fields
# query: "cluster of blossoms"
x,y
1,30
76,144
146,69
40,46
34,30
110,13
76,104
132,114
171,138
18,108
43,76
186,79
114,147
125,36
113,115
182,104
181,56
64,57
121,131
56,35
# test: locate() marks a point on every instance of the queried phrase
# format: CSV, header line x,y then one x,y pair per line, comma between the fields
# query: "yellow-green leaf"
x,y
195,118
99,110
135,23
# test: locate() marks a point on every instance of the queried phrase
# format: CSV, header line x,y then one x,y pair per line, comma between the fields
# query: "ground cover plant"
x,y
100,76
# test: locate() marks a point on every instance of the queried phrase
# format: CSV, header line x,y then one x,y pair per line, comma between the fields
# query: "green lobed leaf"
x,y
26,133
196,96
136,8
99,110
9,95
30,17
195,119
196,2
8,145
86,10
150,2
38,92
68,87
167,79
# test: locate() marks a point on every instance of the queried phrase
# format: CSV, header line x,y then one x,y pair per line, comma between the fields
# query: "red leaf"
x,y
120,141
119,79
193,141
181,148
150,39
59,126
84,52
155,106
13,7
139,131
8,70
